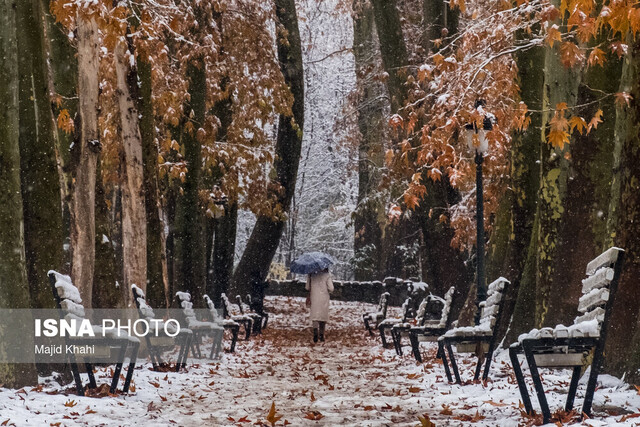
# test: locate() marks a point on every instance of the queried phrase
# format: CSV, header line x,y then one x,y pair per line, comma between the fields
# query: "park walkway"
x,y
349,380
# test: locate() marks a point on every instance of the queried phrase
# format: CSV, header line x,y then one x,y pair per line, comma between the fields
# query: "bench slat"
x,y
595,314
601,278
559,360
595,298
72,308
606,258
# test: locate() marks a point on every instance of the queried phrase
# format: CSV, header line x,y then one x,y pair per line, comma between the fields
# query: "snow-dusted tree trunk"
x,y
267,232
38,166
372,108
14,289
134,224
88,146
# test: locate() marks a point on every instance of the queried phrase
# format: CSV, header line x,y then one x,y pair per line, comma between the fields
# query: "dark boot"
x,y
322,325
315,334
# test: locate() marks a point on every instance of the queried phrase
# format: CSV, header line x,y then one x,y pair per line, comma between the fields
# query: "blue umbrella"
x,y
311,262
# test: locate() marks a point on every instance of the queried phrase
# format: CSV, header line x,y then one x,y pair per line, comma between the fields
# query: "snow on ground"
x,y
349,381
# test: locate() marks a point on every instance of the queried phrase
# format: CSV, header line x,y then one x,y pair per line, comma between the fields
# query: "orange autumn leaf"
x,y
570,54
597,118
622,99
577,122
553,35
425,421
557,138
65,122
411,200
273,415
596,57
313,415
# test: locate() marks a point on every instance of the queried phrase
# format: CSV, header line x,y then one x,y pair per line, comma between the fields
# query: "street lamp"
x,y
477,141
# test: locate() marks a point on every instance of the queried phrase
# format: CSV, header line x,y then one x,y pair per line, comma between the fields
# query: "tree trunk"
x,y
439,21
393,48
157,273
83,193
192,227
560,85
224,245
14,288
39,174
372,110
262,245
623,224
512,252
134,224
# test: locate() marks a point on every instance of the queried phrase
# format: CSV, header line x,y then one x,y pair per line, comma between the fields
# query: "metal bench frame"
x,y
122,343
230,325
484,345
242,319
206,328
383,304
434,333
407,313
183,339
534,349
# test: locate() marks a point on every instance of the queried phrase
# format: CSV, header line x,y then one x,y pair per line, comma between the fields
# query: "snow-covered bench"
x,y
199,327
247,311
431,330
570,346
264,314
407,313
373,318
70,307
159,340
480,339
227,324
233,312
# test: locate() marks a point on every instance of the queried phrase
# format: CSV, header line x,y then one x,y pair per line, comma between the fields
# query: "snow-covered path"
x,y
349,380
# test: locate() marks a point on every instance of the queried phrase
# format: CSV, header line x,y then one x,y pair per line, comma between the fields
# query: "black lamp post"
x,y
477,141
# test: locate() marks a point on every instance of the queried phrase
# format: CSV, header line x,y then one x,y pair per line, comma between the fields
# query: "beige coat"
x,y
319,286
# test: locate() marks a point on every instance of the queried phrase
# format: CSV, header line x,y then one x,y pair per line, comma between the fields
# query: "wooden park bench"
x,y
407,313
570,347
233,312
156,345
431,330
227,324
70,306
373,318
198,327
479,339
247,311
264,314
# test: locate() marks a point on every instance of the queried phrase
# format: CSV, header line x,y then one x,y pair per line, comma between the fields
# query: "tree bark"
x,y
372,110
623,342
439,21
134,224
512,252
393,48
83,192
192,225
14,288
262,245
39,174
157,272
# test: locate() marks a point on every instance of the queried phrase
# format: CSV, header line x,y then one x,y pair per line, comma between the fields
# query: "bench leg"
x,y
572,388
265,320
396,341
383,338
247,329
445,364
517,369
415,346
92,378
184,352
535,375
76,375
116,372
132,366
367,326
487,365
454,365
591,383
234,337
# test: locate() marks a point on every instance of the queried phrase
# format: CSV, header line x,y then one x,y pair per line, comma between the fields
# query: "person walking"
x,y
319,286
